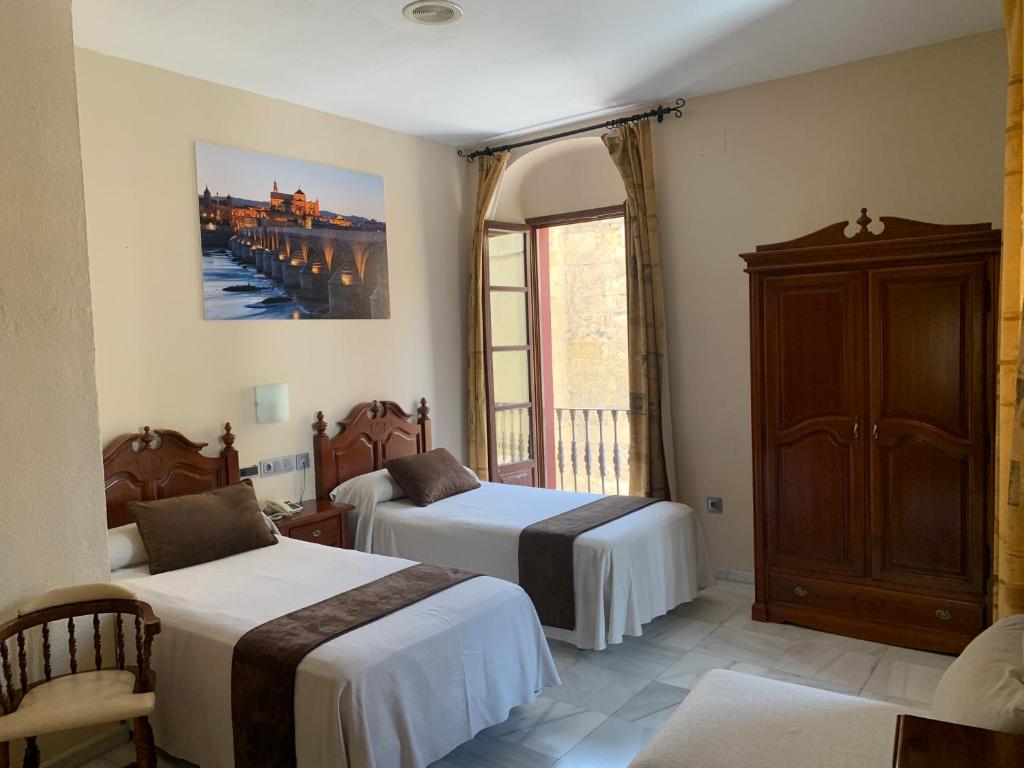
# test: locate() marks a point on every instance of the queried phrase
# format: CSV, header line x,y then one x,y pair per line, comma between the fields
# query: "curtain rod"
x,y
658,113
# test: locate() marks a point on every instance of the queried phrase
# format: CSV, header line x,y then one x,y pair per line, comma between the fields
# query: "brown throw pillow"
x,y
189,530
431,476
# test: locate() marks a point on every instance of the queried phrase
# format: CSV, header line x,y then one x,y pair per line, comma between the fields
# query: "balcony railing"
x,y
591,446
592,449
512,430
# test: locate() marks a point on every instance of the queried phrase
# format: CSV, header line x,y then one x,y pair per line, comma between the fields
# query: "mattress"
x,y
400,692
626,572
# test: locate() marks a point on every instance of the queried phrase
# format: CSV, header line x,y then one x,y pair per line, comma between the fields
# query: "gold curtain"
x,y
1010,428
488,177
650,446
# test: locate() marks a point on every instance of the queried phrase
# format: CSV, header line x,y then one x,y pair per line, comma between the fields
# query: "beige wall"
x,y
51,491
571,175
916,134
160,363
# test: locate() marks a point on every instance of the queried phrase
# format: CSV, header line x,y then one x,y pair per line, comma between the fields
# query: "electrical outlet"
x,y
250,471
276,466
302,461
714,504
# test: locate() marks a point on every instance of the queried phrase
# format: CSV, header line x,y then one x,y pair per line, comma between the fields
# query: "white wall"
x,y
51,487
917,134
159,363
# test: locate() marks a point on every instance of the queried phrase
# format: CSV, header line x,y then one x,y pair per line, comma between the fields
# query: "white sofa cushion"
x,y
984,687
732,720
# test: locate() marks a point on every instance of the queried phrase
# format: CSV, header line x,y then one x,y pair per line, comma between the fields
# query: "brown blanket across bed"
x,y
545,555
266,657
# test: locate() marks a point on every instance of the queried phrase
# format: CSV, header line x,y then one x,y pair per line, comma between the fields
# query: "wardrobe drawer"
x,y
879,605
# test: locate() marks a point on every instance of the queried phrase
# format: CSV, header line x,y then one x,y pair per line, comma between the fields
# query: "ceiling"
x,y
509,66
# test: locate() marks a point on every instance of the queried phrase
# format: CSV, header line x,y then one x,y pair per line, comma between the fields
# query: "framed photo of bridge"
x,y
286,239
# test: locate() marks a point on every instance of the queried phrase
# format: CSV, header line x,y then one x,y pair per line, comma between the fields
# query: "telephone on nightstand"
x,y
278,510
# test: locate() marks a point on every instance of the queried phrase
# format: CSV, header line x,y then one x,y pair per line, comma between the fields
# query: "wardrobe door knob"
x,y
800,591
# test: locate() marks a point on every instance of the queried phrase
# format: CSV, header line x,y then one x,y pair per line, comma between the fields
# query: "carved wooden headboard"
x,y
160,463
371,434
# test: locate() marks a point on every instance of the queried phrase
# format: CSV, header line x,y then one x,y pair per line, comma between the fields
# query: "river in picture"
x,y
268,300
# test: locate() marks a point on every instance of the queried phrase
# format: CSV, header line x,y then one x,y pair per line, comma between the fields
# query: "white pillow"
x,y
124,544
368,489
984,687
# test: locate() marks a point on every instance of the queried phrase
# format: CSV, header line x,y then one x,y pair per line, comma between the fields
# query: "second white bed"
x,y
626,572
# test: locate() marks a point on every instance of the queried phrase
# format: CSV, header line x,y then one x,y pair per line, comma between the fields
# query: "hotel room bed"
x,y
626,572
398,692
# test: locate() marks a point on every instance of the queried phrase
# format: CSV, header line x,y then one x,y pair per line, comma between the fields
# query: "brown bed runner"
x,y
265,658
545,555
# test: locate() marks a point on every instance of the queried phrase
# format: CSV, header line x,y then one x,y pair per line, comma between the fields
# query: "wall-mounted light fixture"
x,y
271,403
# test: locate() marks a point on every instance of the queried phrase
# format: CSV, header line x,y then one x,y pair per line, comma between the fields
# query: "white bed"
x,y
627,572
400,692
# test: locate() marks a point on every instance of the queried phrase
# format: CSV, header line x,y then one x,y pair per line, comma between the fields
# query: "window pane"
x,y
511,377
507,258
508,318
514,440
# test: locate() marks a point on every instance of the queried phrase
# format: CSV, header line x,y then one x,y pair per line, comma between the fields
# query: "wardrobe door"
x,y
813,406
927,332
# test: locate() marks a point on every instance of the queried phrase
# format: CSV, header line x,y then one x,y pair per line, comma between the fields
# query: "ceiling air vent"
x,y
432,12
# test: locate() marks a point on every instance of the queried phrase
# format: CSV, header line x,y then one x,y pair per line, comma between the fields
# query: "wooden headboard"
x,y
159,464
371,434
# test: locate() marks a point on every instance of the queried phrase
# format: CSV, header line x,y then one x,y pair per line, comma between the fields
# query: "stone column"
x,y
277,268
292,271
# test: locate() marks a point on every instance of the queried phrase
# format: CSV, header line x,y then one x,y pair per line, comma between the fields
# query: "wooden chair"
x,y
81,698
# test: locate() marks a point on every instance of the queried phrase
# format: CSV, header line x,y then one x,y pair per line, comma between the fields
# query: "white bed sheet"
x,y
400,692
627,572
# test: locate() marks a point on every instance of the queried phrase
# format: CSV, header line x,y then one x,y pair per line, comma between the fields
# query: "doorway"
x,y
556,349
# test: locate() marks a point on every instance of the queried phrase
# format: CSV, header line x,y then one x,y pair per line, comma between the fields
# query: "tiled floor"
x,y
611,702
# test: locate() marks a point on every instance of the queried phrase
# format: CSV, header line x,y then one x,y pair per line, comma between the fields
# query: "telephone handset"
x,y
278,510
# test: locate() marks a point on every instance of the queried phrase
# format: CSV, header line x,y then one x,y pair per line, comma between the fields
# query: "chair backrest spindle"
x,y
5,662
97,642
22,663
72,645
119,640
138,643
47,666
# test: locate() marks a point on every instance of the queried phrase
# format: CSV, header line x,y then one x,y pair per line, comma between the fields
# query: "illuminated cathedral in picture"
x,y
294,204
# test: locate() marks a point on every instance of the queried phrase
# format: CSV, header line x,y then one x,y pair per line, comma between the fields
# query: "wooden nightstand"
x,y
925,743
321,521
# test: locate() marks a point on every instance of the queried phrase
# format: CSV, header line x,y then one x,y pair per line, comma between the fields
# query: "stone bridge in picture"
x,y
346,268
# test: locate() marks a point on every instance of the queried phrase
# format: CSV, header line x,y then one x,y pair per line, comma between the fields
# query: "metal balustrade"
x,y
591,446
596,443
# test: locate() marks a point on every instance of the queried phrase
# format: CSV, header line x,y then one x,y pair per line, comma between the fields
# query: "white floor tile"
x,y
899,679
811,682
922,658
748,647
654,698
691,667
547,726
828,663
656,720
613,744
678,633
591,687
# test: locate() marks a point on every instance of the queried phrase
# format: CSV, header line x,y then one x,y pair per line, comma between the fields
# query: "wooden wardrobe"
x,y
872,381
